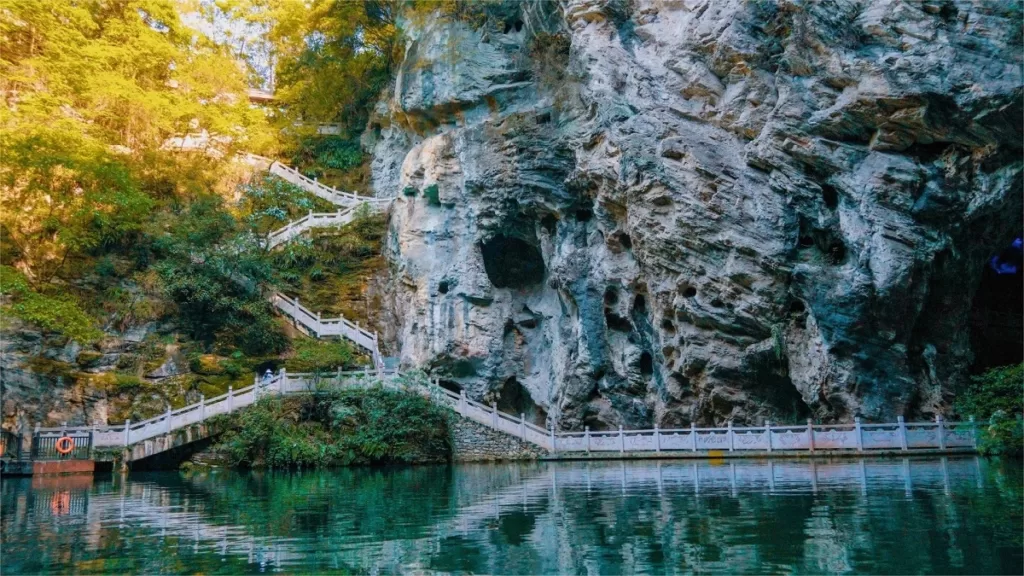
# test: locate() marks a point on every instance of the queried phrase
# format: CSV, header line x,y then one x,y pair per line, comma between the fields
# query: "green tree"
x,y
997,399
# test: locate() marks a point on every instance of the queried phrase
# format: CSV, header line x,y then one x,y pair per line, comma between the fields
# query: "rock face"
x,y
645,212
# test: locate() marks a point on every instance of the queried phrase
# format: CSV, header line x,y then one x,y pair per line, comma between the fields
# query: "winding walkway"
x,y
309,322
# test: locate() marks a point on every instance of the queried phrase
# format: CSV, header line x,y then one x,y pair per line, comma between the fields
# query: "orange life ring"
x,y
64,444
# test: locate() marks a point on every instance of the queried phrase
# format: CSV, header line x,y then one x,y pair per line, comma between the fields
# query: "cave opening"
x,y
624,240
830,196
690,292
997,311
806,242
611,296
668,326
584,214
616,322
513,398
837,252
640,304
511,262
450,385
443,287
646,363
549,222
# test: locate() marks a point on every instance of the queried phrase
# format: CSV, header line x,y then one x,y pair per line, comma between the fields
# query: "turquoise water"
x,y
955,515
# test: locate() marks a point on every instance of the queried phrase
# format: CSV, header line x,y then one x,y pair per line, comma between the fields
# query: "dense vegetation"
x,y
996,399
108,226
338,428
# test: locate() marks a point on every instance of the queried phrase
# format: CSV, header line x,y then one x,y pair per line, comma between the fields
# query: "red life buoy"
x,y
65,444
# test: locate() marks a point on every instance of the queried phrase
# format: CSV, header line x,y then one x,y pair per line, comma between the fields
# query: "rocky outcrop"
x,y
646,212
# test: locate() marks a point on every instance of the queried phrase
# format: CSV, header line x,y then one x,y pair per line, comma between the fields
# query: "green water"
x,y
956,515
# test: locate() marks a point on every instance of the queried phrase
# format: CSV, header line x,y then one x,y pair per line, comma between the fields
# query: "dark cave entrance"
x,y
997,327
511,262
514,399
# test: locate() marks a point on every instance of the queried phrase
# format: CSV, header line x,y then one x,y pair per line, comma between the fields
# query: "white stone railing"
x,y
856,437
861,437
317,327
312,220
171,420
327,193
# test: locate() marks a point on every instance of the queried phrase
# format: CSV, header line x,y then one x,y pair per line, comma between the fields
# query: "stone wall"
x,y
472,442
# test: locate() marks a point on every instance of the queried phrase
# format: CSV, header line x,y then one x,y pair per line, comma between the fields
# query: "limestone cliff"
x,y
646,212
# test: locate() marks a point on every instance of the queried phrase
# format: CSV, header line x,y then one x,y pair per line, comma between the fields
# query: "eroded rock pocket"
x,y
511,262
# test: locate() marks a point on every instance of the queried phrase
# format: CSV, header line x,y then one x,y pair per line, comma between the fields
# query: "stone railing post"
x,y
730,436
586,437
902,427
167,417
859,433
657,439
810,435
974,433
693,436
256,387
554,445
622,441
462,402
202,408
319,324
494,415
295,312
768,431
127,431
282,381
940,429
522,426
231,399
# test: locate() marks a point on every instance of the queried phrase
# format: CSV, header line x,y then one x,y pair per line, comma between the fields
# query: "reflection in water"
x,y
904,516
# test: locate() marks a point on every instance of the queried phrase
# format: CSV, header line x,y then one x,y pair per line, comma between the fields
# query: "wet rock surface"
x,y
674,211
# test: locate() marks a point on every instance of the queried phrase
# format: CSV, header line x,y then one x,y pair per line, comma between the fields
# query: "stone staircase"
x,y
312,220
317,327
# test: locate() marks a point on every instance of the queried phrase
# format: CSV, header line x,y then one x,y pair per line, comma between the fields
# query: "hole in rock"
x,y
717,303
611,296
584,214
616,322
543,118
690,292
514,399
624,240
830,196
512,262
668,326
646,364
997,312
549,222
518,26
450,386
806,241
837,252
640,304
443,287
797,307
